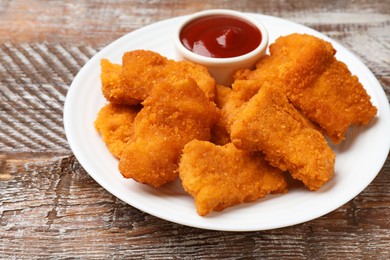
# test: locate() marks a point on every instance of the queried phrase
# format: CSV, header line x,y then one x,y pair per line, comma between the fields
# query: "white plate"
x,y
359,159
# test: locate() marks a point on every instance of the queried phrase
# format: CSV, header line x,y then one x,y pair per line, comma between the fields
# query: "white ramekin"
x,y
222,69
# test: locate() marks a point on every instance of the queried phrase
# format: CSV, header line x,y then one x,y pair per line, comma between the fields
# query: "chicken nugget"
x,y
315,82
141,70
219,177
176,112
113,88
114,122
270,124
335,101
322,87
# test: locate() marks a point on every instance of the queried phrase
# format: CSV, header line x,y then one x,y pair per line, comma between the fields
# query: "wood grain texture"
x,y
51,208
34,81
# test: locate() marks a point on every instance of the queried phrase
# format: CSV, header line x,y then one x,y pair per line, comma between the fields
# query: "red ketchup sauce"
x,y
220,36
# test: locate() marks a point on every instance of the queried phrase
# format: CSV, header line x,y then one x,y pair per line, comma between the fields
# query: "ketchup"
x,y
220,36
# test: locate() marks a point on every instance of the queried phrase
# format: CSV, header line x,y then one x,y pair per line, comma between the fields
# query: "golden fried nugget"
x,y
114,122
335,101
320,86
141,70
219,177
176,112
270,124
112,84
152,160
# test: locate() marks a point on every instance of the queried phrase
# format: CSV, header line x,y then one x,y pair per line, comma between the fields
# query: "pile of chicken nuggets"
x,y
168,119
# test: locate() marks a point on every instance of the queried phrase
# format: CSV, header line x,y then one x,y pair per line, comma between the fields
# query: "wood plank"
x,y
34,81
51,208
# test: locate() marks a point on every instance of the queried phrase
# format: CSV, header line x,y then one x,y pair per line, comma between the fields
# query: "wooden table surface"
x,y
51,208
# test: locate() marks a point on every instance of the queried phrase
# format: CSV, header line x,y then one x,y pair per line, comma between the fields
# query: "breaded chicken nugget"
x,y
141,70
321,86
114,122
219,177
270,124
335,101
176,112
112,84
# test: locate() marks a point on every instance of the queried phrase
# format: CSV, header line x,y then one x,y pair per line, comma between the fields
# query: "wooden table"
x,y
51,208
